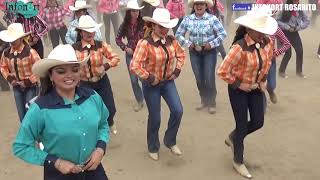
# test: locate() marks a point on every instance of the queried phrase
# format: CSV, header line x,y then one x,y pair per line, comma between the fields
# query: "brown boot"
x,y
273,96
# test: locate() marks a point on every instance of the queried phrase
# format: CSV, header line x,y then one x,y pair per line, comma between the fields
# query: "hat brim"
x,y
91,30
209,3
172,23
41,68
6,38
154,4
72,8
133,8
270,27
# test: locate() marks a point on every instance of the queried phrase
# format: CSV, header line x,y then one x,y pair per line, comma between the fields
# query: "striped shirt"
x,y
17,64
54,16
202,30
284,42
150,58
96,66
241,64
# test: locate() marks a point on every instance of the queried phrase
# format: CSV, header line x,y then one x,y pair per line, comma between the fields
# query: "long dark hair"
x,y
240,33
286,15
46,84
214,9
127,20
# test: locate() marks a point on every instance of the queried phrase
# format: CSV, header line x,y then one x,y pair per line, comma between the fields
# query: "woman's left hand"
x,y
94,160
263,86
207,47
172,77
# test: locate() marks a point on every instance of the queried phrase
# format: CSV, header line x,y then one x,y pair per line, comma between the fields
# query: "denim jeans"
x,y
103,88
152,95
204,66
4,84
57,34
22,97
241,103
272,78
137,91
107,18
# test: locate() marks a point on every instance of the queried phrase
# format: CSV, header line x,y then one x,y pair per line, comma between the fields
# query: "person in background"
x,y
16,63
80,8
54,14
70,121
93,73
158,60
245,69
132,30
3,45
206,34
216,10
36,25
291,22
110,10
177,10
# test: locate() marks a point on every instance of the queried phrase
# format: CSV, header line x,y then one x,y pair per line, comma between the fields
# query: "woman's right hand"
x,y
67,167
245,87
129,51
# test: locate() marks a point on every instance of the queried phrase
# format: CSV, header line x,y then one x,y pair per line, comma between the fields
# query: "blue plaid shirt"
x,y
205,29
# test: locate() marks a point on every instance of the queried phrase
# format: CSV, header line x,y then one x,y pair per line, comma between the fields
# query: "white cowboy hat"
x,y
153,2
258,19
86,23
133,4
208,2
60,55
161,16
15,31
80,4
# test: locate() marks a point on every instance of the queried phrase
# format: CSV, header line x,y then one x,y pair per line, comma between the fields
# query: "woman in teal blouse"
x,y
70,121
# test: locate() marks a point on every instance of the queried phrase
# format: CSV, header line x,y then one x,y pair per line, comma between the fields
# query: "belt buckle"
x,y
254,86
198,48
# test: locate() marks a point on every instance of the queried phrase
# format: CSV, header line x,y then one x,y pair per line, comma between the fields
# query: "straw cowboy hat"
x,y
208,2
60,55
80,4
133,4
15,31
259,19
153,2
161,16
86,23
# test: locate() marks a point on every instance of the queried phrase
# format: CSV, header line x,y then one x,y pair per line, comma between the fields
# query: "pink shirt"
x,y
108,6
269,2
220,6
176,8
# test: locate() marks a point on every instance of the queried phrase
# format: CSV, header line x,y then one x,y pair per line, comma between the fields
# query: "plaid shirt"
x,y
176,8
269,2
150,59
133,36
284,42
96,66
54,16
299,22
19,67
202,30
108,6
241,64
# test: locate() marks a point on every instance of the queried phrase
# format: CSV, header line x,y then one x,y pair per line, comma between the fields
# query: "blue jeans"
x,y
152,95
137,91
23,96
204,66
271,79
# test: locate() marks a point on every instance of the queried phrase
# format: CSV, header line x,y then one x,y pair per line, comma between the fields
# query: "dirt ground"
x,y
286,147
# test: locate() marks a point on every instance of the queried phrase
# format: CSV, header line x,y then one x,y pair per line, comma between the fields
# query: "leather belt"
x,y
95,78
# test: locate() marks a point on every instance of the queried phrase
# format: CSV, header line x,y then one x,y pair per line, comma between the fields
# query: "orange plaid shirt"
x,y
242,62
17,64
150,58
96,65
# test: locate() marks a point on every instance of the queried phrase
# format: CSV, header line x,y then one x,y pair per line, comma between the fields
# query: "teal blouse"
x,y
70,130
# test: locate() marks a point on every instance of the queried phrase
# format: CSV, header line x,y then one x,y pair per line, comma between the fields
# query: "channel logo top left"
x,y
23,7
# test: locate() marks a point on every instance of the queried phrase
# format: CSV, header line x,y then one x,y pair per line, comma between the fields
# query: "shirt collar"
x,y
18,50
204,16
56,99
249,41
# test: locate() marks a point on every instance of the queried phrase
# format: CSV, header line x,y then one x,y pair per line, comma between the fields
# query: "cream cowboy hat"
x,y
161,16
208,2
15,31
133,4
80,4
258,19
60,55
86,23
153,2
